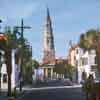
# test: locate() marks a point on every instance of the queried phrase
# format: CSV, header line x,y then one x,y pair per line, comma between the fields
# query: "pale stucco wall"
x,y
14,75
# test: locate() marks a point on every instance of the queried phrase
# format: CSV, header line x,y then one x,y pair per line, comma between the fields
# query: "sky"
x,y
70,18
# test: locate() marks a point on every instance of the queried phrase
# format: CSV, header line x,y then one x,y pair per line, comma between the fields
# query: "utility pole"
x,y
22,27
31,61
0,22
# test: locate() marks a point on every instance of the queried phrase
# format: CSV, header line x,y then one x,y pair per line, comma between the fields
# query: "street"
x,y
54,94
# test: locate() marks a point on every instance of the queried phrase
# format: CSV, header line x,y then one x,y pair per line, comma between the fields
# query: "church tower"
x,y
48,41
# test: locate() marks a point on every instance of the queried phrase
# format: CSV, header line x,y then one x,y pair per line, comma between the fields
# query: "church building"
x,y
48,62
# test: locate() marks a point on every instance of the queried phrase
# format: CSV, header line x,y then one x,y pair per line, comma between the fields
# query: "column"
x,y
13,83
46,72
51,73
55,76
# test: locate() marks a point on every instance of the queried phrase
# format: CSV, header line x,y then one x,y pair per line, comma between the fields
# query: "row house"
x,y
84,62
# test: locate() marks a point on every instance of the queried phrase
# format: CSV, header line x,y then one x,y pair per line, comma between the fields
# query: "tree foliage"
x,y
35,64
15,42
91,40
7,46
64,68
69,70
59,68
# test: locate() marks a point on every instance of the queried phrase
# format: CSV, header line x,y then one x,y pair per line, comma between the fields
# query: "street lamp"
x,y
0,21
22,27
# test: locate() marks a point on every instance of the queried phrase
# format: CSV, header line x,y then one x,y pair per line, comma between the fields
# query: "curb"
x,y
52,87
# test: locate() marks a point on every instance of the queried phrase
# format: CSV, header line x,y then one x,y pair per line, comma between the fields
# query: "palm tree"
x,y
91,40
8,43
23,57
6,47
2,43
12,42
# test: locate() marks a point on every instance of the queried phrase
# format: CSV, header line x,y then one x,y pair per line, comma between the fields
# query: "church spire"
x,y
49,51
48,19
48,14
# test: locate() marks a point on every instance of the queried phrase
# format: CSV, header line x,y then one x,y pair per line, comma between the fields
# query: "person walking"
x,y
88,88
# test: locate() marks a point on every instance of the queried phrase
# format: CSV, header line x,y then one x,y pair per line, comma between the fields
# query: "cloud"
x,y
17,9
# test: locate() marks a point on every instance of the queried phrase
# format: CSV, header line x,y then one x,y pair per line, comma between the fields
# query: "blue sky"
x,y
70,18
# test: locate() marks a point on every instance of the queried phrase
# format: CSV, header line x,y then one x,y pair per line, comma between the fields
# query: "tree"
x,y
2,39
91,40
10,44
11,41
35,64
24,60
6,45
59,68
69,70
27,63
64,68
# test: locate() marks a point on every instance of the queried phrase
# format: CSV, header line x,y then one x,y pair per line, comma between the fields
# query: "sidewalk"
x,y
3,96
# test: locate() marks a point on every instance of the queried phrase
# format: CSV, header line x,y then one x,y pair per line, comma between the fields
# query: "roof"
x,y
74,47
56,61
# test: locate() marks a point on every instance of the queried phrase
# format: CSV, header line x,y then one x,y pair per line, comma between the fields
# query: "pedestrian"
x,y
88,87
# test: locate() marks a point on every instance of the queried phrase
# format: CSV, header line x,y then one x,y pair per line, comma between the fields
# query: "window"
x,y
76,63
48,40
85,61
95,60
4,78
77,51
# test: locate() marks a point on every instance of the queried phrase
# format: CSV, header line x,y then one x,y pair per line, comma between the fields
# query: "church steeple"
x,y
49,50
48,14
48,19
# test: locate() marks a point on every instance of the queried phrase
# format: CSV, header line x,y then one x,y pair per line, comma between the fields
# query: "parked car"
x,y
67,82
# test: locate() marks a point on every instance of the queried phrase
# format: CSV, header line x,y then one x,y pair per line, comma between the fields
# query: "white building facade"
x,y
85,62
14,75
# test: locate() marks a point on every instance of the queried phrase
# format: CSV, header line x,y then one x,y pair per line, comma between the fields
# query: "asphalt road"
x,y
54,94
